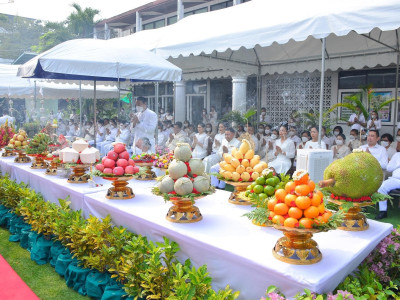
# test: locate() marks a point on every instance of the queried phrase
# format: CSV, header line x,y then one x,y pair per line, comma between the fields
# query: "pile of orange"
x,y
298,205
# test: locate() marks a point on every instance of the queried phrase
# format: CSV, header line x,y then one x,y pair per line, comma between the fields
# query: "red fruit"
x,y
131,162
112,155
122,163
124,155
103,159
108,171
119,148
100,167
119,171
135,169
129,170
109,163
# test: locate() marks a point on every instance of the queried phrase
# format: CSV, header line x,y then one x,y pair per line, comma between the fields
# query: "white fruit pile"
x,y
185,174
80,151
117,162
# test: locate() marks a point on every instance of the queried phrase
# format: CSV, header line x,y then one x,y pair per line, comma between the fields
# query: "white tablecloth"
x,y
236,251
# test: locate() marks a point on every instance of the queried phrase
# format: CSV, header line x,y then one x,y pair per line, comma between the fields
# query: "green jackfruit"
x,y
356,175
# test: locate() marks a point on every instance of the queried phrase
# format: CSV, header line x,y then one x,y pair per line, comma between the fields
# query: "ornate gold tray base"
x,y
51,171
297,247
78,175
120,191
354,220
39,163
149,174
7,153
183,211
22,158
235,197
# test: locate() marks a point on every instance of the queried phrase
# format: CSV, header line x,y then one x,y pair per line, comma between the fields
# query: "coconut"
x,y
177,169
183,186
201,184
89,155
196,166
183,152
79,145
166,185
70,155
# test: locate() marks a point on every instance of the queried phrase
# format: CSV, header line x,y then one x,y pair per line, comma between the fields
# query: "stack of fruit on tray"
x,y
145,158
80,153
116,163
298,204
6,134
164,160
19,141
242,165
38,144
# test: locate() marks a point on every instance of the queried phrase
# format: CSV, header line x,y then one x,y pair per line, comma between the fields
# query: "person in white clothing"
x,y
378,151
200,142
111,134
262,140
143,145
226,147
389,184
219,137
123,136
161,139
177,136
336,131
325,138
250,130
340,149
293,135
264,117
386,141
213,119
354,140
305,137
284,151
144,122
357,120
374,122
313,143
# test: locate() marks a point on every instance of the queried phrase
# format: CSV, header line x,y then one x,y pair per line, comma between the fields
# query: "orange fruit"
x,y
302,190
290,186
319,220
316,199
320,194
321,208
311,212
311,184
305,223
295,212
280,195
326,216
290,200
303,180
303,202
271,215
281,209
271,204
291,222
277,219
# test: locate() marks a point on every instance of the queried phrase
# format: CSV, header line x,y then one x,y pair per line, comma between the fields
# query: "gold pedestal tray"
x,y
78,175
297,247
120,190
354,220
52,169
8,153
184,211
38,162
21,158
149,174
238,187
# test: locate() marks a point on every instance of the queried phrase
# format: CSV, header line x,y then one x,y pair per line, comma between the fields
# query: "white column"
x,y
138,22
236,2
106,32
94,33
239,89
180,101
180,10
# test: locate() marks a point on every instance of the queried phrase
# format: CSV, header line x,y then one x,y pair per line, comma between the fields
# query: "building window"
x,y
172,20
160,23
148,26
221,5
378,78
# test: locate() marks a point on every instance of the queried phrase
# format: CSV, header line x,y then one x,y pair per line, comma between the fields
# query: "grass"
x,y
42,279
393,213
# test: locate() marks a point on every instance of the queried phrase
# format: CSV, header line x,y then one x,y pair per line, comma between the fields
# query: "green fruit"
x,y
260,180
253,185
276,180
258,189
356,175
269,190
262,196
270,181
269,175
247,193
249,188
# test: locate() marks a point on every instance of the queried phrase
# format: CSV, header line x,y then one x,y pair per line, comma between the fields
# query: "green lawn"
x,y
43,280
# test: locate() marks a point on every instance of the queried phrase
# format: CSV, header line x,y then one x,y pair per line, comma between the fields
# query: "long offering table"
x,y
236,251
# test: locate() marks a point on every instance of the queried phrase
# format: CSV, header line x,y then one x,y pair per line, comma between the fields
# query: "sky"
x,y
59,10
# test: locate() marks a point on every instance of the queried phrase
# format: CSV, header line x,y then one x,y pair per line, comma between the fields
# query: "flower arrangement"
x,y
164,160
145,157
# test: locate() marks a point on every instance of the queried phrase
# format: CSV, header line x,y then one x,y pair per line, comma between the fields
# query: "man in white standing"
x,y
264,118
144,122
380,153
357,120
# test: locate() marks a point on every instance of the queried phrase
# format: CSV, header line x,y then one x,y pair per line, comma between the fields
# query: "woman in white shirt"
x,y
386,141
340,150
313,143
200,142
284,151
262,140
374,123
305,137
354,140
213,119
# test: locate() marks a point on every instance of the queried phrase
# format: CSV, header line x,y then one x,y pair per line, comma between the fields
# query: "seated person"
x,y
313,143
143,145
386,141
354,140
176,136
340,149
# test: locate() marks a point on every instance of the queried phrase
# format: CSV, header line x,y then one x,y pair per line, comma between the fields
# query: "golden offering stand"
x,y
120,190
78,174
38,162
238,188
297,246
184,211
8,153
21,158
52,168
354,219
149,174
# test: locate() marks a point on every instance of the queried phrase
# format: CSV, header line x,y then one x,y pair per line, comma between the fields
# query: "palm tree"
x,y
81,22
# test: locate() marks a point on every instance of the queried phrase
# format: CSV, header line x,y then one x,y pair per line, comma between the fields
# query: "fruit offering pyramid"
x,y
38,144
6,133
117,162
19,140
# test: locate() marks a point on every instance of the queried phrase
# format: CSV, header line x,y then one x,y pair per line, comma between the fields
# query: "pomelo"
x,y
122,163
108,171
124,155
119,171
109,163
131,162
100,167
129,170
119,148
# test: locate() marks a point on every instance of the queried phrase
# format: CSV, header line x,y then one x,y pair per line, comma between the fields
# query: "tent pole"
x,y
396,92
80,108
94,113
119,98
156,108
321,93
34,101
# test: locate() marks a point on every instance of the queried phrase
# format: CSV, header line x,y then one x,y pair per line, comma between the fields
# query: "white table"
x,y
236,251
